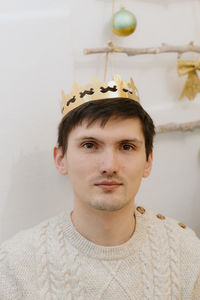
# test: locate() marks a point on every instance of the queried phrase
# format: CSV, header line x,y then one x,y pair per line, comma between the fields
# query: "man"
x,y
107,248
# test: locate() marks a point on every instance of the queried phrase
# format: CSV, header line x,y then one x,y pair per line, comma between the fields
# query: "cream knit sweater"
x,y
53,261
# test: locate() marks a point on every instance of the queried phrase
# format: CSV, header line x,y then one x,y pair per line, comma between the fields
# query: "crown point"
x,y
117,77
132,84
75,85
63,95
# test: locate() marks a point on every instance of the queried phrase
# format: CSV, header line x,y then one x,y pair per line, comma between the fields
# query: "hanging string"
x,y
111,34
113,9
111,38
193,56
106,66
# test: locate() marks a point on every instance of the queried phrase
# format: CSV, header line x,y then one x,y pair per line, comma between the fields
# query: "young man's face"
x,y
105,165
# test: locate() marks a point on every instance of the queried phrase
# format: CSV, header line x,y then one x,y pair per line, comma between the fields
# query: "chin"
x,y
109,205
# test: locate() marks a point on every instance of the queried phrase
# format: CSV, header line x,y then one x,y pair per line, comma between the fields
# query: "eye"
x,y
88,145
127,147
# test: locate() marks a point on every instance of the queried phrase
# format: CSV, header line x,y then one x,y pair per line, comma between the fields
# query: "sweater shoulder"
x,y
186,237
178,226
21,246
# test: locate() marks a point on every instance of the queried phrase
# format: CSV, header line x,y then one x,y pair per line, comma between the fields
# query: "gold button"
x,y
159,216
182,225
140,209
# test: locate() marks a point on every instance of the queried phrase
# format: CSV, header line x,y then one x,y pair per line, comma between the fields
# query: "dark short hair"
x,y
104,110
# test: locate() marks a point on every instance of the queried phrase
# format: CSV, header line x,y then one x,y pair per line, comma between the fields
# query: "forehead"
x,y
119,129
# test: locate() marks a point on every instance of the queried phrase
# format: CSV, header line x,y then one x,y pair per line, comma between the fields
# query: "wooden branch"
x,y
178,127
164,48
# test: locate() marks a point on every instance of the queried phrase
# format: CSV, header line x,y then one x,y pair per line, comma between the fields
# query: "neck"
x,y
106,228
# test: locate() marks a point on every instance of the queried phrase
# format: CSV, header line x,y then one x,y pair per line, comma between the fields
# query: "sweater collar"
x,y
86,247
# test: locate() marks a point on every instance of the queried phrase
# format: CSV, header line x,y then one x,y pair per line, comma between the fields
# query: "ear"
x,y
148,165
60,160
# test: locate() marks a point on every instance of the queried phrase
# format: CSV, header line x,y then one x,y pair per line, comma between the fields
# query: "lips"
x,y
108,185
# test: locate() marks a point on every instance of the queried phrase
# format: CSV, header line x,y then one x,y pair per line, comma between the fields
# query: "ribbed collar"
x,y
86,247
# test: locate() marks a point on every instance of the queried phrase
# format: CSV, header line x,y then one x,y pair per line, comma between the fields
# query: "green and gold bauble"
x,y
124,22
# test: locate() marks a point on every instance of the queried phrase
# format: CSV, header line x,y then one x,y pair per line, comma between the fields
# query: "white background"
x,y
41,47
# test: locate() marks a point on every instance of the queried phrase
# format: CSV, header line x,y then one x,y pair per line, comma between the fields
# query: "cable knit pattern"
x,y
58,269
174,261
146,273
161,261
66,262
43,263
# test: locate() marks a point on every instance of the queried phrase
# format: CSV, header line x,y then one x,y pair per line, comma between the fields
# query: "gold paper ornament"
x,y
192,85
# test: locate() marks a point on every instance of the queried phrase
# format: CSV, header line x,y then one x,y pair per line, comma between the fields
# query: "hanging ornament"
x,y
124,22
192,85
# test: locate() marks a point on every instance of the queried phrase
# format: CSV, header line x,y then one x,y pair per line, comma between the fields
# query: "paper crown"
x,y
98,90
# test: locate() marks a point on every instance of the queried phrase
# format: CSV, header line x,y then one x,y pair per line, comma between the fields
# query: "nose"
x,y
109,163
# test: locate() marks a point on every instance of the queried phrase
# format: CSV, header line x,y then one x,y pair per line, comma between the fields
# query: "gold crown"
x,y
97,90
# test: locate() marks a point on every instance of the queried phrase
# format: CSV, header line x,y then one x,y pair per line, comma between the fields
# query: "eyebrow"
x,y
133,140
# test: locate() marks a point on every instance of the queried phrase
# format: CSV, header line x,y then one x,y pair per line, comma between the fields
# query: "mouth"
x,y
108,185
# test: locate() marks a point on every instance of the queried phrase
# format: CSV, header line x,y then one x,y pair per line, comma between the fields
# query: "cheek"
x,y
136,169
80,166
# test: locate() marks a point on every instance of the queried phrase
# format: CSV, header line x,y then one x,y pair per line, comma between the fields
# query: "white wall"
x,y
41,51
